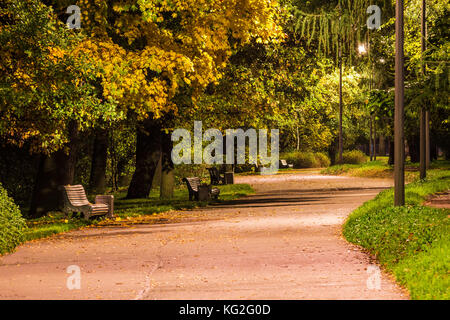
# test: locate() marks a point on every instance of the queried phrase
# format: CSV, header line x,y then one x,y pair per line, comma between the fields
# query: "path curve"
x,y
284,242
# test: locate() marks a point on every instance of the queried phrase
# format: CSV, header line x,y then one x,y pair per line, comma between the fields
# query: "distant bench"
x,y
193,185
216,177
75,200
284,164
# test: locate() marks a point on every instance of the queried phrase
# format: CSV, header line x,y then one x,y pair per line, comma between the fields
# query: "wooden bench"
x,y
215,176
193,185
284,164
75,200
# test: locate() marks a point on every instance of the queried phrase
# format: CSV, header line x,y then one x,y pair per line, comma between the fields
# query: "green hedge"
x,y
12,224
306,159
354,157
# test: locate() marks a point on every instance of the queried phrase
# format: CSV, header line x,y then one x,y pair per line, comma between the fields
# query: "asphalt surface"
x,y
284,242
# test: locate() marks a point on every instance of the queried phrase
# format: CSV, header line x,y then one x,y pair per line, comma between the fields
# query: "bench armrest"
x,y
109,200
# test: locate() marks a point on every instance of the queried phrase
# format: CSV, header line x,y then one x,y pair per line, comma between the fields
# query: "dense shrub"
x,y
12,225
323,159
354,157
306,159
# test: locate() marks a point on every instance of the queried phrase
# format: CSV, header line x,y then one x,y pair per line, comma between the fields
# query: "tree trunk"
x,y
391,152
156,181
54,171
97,180
370,139
332,151
374,139
148,152
433,150
382,146
414,150
167,168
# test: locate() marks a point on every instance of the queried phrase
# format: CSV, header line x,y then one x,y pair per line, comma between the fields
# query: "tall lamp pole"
x,y
341,148
399,153
424,142
341,107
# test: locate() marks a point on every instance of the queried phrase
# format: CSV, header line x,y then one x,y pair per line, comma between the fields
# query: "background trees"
x,y
96,105
47,95
137,60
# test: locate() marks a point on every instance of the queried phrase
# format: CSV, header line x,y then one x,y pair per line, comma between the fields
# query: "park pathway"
x,y
284,242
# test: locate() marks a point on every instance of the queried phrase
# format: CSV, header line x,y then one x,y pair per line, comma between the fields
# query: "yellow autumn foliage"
x,y
147,51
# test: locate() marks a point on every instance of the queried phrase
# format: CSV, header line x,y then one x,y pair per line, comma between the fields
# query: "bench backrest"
x,y
193,183
283,162
214,172
76,195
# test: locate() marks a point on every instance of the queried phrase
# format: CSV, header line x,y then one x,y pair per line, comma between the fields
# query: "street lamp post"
x,y
399,153
424,113
341,147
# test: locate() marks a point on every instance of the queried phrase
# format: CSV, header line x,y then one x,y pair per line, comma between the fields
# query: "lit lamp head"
x,y
362,49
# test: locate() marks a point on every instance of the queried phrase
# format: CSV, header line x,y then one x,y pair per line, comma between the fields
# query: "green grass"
x,y
412,241
50,225
180,201
55,222
381,169
378,169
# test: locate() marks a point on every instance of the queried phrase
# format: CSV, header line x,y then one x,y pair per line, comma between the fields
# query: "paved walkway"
x,y
284,242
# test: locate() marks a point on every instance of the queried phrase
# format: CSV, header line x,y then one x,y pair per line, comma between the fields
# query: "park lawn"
x,y
372,169
126,210
381,169
413,241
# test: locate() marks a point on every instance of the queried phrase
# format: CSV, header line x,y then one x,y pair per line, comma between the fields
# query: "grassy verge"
x,y
381,169
412,241
151,207
378,169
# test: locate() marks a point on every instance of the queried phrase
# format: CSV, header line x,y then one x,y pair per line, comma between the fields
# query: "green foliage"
x,y
12,224
121,154
429,90
323,159
43,88
323,25
354,157
411,241
306,159
372,169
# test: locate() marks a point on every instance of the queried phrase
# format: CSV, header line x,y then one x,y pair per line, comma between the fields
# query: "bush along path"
x,y
12,225
412,241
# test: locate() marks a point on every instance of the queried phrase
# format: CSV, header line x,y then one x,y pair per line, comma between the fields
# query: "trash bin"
x,y
229,177
203,192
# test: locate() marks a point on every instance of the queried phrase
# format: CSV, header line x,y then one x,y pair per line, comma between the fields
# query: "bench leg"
x,y
87,215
